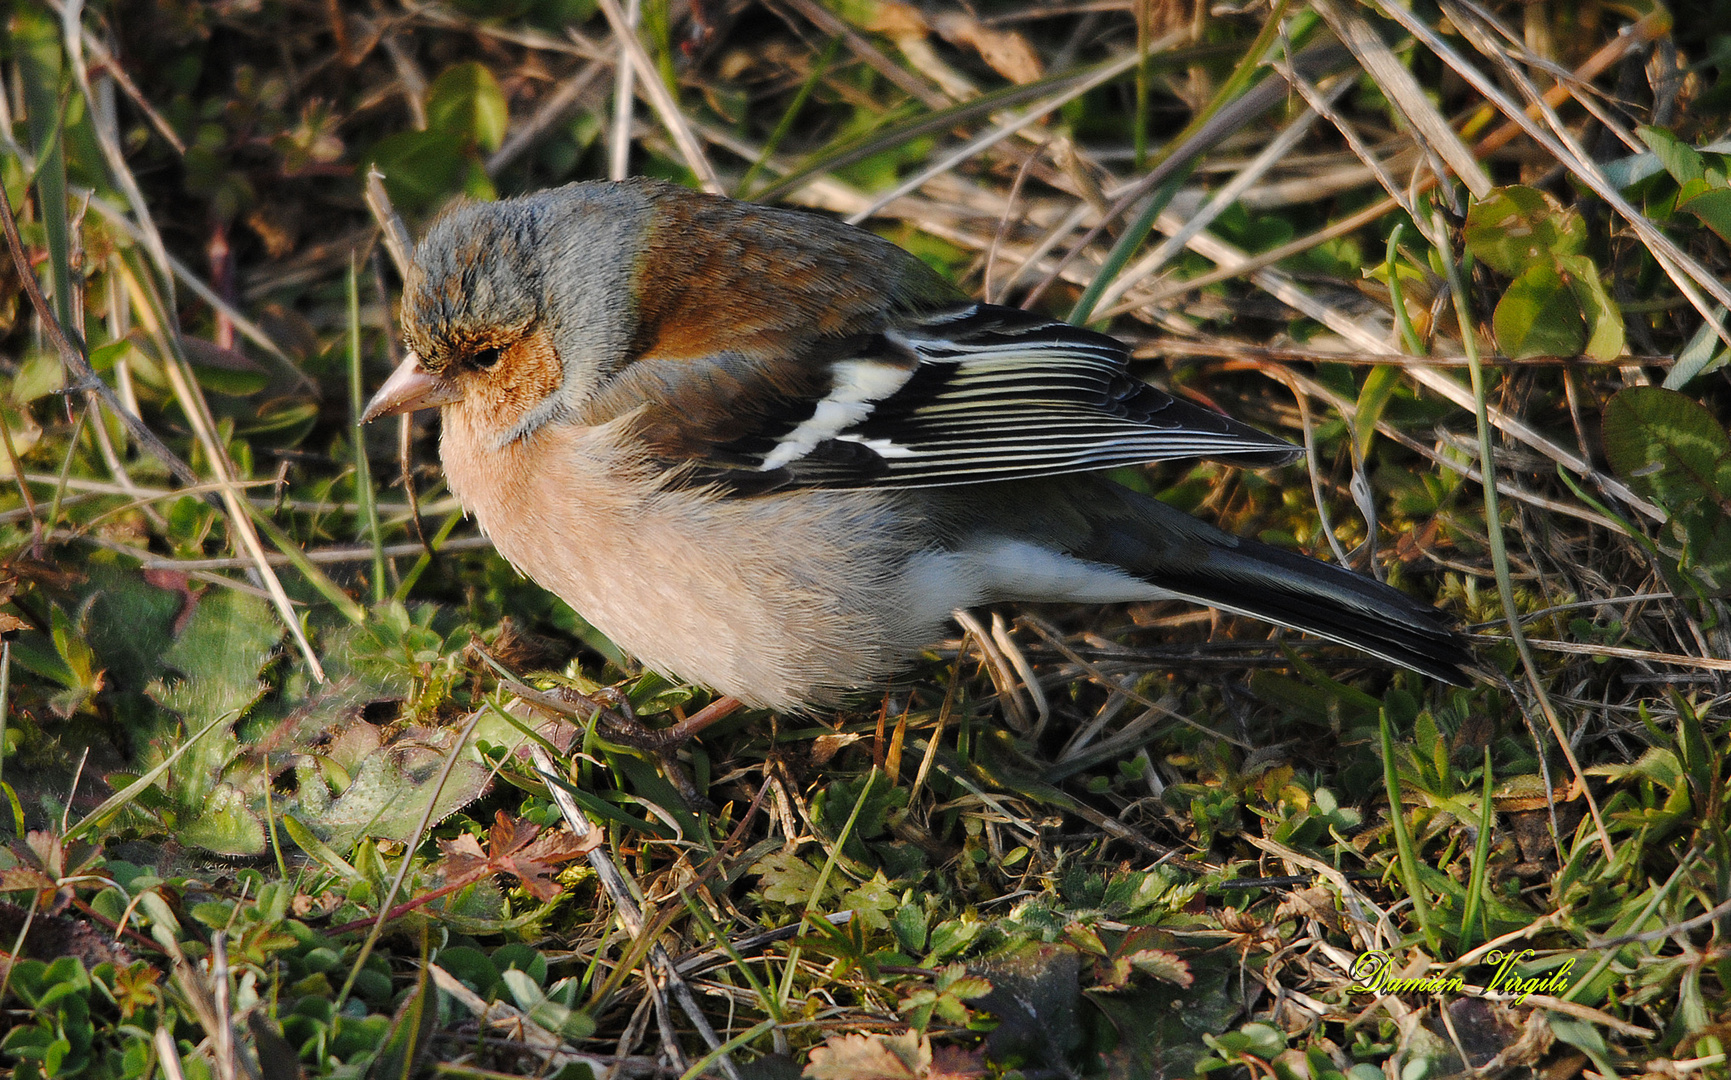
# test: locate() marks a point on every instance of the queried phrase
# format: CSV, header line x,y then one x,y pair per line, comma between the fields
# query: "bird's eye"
x,y
485,358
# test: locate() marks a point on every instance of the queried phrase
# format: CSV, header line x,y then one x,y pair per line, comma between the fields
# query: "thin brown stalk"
x,y
666,108
625,904
1690,277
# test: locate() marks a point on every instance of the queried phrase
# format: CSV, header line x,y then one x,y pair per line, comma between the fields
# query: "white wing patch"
x,y
859,385
988,393
883,448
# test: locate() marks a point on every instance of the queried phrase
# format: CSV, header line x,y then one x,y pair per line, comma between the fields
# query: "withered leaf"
x,y
516,847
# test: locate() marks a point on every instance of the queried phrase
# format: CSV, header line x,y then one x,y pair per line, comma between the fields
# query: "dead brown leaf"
x,y
1004,51
518,848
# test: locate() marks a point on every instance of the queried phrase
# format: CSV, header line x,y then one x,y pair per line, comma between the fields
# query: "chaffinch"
x,y
771,453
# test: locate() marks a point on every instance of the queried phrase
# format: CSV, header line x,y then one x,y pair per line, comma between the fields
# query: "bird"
x,y
770,453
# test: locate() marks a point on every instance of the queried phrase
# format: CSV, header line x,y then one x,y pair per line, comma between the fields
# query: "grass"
x,y
301,778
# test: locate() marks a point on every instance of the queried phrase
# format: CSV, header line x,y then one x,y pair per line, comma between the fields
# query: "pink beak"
x,y
409,389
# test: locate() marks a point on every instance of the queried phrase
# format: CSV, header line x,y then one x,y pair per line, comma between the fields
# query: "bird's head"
x,y
514,311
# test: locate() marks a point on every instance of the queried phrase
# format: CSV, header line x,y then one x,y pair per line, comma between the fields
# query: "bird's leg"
x,y
617,714
719,709
623,725
613,711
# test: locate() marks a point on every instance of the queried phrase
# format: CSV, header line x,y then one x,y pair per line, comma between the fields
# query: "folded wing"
x,y
970,394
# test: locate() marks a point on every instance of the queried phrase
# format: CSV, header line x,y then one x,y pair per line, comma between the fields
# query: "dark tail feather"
x,y
1106,523
1299,592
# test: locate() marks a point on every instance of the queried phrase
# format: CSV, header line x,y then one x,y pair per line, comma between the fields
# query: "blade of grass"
x,y
1010,126
1403,839
1479,879
702,1064
1397,294
66,464
909,83
1144,13
240,510
1494,532
1317,389
624,97
1402,90
817,889
270,820
925,123
699,916
408,858
297,557
665,105
625,903
117,801
36,534
1234,105
1271,155
6,711
41,67
818,70
364,493
1119,256
425,560
1252,263
1607,957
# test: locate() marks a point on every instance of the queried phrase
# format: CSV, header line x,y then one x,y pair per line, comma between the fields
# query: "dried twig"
x,y
625,903
672,118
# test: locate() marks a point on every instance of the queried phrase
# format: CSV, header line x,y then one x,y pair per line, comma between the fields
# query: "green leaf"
x,y
45,985
1701,356
1673,450
225,825
411,1032
1263,1040
540,1007
1680,159
465,102
39,375
471,966
786,878
910,927
1713,207
391,790
1539,315
1605,340
1379,386
1036,994
871,901
131,623
1162,965
221,651
421,168
1668,446
520,957
82,678
1516,228
950,938
290,415
29,1043
1583,1037
321,852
